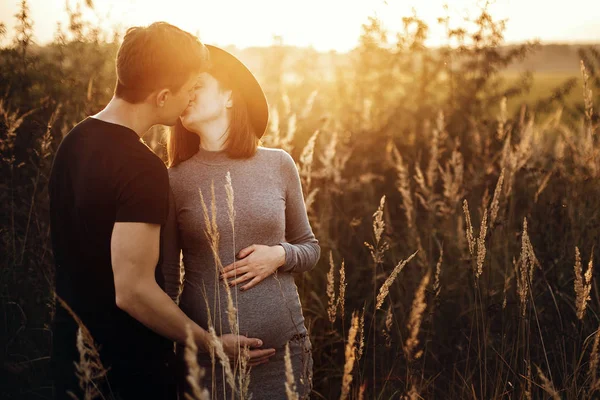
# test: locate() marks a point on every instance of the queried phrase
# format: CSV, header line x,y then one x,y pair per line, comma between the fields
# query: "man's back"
x,y
102,174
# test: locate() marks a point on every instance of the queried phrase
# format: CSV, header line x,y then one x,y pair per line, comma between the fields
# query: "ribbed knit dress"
x,y
269,210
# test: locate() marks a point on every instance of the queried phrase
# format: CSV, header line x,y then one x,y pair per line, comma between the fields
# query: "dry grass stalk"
x,y
306,160
195,373
290,382
434,159
388,326
469,229
525,274
378,223
438,272
213,236
404,187
350,357
217,346
547,385
452,178
332,306
481,251
244,373
416,317
507,279
412,394
378,249
502,118
583,284
361,391
587,94
89,369
385,288
594,359
310,199
543,186
342,293
361,338
495,207
529,379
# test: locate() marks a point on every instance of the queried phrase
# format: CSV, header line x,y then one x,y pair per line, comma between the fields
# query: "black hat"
x,y
247,85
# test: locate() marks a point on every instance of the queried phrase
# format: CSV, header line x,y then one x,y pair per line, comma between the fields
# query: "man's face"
x,y
178,101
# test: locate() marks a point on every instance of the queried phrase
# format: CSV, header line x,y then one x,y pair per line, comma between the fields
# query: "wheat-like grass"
x,y
213,236
290,382
387,330
583,284
469,229
547,385
413,393
361,333
332,306
452,179
587,93
361,392
528,380
495,207
378,248
385,288
416,317
404,187
217,346
342,290
502,118
306,160
481,250
350,354
438,272
434,149
89,369
524,272
195,372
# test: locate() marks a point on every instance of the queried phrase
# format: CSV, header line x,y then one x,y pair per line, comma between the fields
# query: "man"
x,y
108,199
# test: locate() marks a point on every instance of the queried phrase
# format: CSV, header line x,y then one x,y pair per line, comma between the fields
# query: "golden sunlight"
x,y
322,24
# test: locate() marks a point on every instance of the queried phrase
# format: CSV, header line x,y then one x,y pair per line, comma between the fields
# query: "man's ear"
x,y
161,97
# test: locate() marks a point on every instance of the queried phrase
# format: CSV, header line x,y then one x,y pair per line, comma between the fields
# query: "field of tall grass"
x,y
458,220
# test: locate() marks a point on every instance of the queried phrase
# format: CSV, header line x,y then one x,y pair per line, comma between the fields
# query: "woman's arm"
x,y
298,253
302,249
171,252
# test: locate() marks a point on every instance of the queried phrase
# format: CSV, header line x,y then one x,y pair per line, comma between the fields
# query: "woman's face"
x,y
210,103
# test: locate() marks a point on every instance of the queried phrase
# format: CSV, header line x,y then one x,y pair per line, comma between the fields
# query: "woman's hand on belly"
x,y
255,263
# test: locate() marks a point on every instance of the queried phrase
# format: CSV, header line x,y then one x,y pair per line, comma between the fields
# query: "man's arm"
x,y
134,254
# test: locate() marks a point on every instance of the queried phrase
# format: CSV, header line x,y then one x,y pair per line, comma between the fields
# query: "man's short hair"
x,y
155,57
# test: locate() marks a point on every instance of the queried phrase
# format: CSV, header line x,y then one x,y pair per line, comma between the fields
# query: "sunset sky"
x,y
323,24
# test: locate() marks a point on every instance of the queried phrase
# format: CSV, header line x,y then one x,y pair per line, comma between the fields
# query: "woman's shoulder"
x,y
272,155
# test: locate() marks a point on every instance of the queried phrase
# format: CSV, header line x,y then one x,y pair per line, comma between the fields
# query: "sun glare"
x,y
323,24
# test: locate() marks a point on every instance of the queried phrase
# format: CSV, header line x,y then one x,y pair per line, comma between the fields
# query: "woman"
x,y
270,238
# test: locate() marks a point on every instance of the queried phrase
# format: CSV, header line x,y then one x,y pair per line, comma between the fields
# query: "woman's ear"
x,y
229,102
161,97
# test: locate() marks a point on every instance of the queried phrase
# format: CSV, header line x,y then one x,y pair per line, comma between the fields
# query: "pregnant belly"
x,y
269,311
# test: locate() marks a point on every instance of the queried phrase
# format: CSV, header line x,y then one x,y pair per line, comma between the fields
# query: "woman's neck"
x,y
213,134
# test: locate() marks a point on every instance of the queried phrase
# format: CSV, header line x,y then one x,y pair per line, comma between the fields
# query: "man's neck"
x,y
132,116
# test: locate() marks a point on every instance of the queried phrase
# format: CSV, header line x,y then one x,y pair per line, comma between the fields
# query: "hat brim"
x,y
245,82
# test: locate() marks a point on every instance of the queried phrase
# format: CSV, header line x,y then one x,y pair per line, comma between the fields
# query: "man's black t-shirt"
x,y
102,174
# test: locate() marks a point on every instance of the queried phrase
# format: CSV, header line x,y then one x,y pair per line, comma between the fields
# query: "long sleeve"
x,y
170,252
302,249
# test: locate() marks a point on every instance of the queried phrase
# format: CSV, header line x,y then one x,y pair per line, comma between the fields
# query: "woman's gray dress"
x,y
269,210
